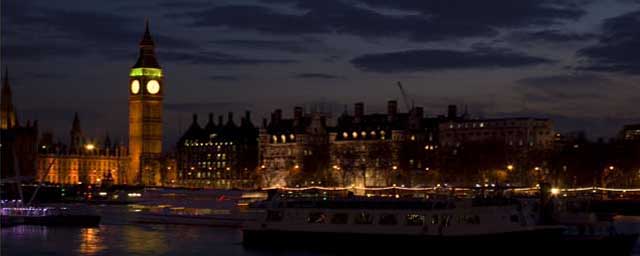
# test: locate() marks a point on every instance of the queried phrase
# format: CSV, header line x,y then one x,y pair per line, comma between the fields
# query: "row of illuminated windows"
x,y
95,164
362,134
196,143
494,133
283,138
387,219
205,175
218,164
492,124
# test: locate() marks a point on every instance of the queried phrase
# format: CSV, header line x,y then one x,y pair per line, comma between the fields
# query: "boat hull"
x,y
540,242
63,220
201,220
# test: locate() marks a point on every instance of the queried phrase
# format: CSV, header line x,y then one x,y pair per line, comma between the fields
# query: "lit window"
x,y
373,133
292,137
283,137
413,137
355,135
345,135
481,125
275,139
363,133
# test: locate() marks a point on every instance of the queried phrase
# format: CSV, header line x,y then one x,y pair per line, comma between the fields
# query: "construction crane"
x,y
405,98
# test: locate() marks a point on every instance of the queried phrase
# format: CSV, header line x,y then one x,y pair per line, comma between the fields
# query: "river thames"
x,y
116,236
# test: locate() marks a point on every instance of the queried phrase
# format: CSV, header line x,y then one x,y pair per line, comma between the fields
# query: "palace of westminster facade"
x,y
358,149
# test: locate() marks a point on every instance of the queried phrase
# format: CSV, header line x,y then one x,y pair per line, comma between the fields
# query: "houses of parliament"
x,y
30,156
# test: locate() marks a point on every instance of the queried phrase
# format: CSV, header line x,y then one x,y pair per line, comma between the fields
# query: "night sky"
x,y
575,62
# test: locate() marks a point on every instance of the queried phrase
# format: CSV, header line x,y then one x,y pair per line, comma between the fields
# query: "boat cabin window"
x,y
363,218
274,216
388,219
439,205
316,217
446,220
473,219
339,218
415,220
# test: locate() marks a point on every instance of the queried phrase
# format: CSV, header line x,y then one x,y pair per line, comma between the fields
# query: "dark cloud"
x,y
53,32
35,52
499,13
293,46
553,36
46,75
436,59
217,58
331,59
223,78
335,17
184,4
316,76
549,88
617,49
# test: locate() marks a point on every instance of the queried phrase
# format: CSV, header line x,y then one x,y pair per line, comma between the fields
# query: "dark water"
x,y
116,237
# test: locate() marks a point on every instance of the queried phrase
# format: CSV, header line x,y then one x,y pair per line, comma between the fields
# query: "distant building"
x,y
18,143
630,132
378,149
530,132
371,149
83,160
293,149
220,156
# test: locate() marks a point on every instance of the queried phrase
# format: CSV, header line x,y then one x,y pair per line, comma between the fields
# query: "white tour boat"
x,y
452,225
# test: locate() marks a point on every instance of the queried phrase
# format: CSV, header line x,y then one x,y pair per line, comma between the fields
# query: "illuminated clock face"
x,y
135,86
153,87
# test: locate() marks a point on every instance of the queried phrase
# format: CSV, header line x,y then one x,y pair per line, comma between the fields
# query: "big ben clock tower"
x,y
146,90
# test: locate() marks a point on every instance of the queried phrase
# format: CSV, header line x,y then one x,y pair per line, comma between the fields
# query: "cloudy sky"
x,y
575,61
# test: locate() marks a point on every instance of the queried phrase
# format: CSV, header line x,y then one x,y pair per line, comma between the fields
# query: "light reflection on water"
x,y
121,240
90,241
113,238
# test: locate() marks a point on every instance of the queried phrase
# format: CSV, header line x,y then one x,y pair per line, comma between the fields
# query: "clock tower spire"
x,y
146,89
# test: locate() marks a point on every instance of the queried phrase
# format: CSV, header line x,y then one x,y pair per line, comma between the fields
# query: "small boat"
x,y
182,216
452,226
48,216
220,208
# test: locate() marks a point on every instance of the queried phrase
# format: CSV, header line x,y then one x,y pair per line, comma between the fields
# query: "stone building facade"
x,y
293,150
82,160
18,143
223,155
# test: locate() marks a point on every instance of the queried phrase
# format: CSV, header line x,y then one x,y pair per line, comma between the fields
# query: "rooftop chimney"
x,y
297,113
359,111
278,115
419,112
230,117
392,110
452,112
